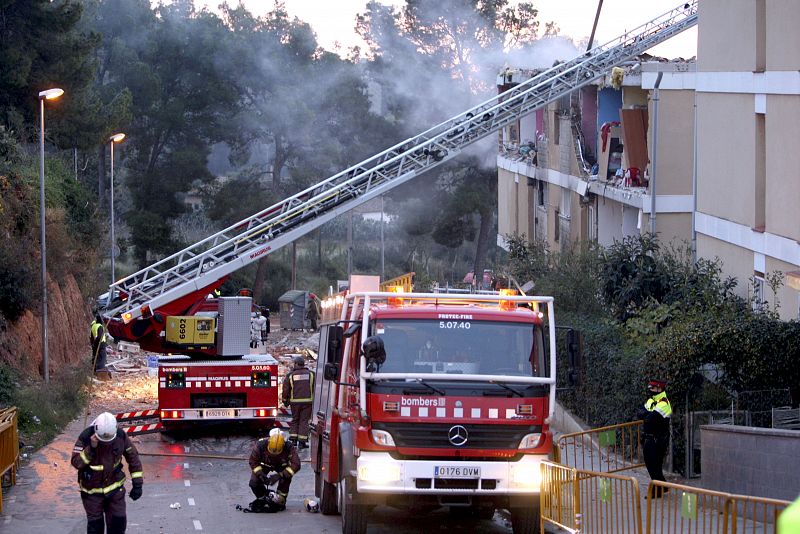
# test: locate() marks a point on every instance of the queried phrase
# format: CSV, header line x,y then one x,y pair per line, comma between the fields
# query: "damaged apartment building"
x,y
582,167
705,153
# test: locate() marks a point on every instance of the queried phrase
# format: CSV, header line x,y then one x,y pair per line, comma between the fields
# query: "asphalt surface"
x,y
179,472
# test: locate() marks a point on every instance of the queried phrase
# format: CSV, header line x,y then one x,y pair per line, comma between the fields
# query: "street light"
x,y
48,94
116,138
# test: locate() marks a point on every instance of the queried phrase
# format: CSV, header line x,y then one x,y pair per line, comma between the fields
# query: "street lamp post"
x,y
116,138
48,94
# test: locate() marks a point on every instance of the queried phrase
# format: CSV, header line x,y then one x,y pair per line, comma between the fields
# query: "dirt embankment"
x,y
67,332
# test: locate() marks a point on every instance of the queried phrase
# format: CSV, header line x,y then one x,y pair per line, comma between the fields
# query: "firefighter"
x,y
312,313
97,456
656,413
273,460
298,390
97,338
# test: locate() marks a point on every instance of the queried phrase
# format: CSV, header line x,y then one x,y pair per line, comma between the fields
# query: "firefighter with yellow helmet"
x,y
274,460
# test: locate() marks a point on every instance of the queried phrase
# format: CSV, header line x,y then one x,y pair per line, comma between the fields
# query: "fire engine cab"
x,y
432,400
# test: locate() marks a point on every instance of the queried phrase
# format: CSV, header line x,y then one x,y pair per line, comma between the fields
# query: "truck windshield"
x,y
461,347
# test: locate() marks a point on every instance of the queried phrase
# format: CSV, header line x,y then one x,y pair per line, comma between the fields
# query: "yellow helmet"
x,y
276,441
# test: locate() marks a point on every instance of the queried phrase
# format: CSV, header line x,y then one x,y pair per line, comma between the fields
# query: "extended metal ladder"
x,y
209,260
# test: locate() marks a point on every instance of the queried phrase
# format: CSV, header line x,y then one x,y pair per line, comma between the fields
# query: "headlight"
x,y
383,438
531,441
379,472
527,475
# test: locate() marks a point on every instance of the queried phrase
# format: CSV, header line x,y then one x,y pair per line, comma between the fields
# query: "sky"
x,y
333,20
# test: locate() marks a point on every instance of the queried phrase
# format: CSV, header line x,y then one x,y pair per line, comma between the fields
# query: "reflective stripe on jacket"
x,y
95,329
298,387
100,468
659,403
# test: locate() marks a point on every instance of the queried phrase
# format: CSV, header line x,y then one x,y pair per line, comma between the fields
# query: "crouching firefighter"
x,y
97,456
273,461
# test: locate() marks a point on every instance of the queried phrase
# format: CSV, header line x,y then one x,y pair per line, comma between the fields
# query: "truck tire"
x,y
354,516
327,498
525,520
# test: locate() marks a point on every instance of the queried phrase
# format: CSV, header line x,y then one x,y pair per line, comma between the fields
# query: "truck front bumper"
x,y
378,472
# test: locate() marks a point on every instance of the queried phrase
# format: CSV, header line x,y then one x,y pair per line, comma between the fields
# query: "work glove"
x,y
136,492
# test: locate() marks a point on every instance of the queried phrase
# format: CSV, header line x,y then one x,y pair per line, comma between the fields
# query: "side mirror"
x,y
374,352
335,343
331,371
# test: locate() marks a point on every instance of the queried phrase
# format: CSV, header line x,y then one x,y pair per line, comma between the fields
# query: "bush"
x,y
45,409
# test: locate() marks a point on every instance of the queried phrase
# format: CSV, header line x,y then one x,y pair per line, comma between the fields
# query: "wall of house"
x,y
726,156
788,297
609,221
675,142
783,39
671,227
730,41
506,202
634,97
609,102
782,132
527,128
735,261
589,117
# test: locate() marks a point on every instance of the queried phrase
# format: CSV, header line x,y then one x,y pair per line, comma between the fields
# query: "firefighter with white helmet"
x,y
274,460
97,456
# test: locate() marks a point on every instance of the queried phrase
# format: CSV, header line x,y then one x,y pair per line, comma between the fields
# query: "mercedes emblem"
x,y
457,435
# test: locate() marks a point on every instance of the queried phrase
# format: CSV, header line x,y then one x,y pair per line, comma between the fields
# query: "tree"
x,y
41,48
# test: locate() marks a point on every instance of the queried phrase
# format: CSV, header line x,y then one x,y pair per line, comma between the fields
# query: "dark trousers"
x,y
301,415
259,489
654,449
100,357
105,513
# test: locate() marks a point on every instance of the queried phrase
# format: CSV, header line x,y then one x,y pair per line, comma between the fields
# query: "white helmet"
x,y
105,427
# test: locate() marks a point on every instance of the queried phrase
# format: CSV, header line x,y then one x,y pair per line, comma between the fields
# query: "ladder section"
x,y
209,260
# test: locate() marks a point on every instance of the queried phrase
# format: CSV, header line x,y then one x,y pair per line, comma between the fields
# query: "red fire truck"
x,y
432,400
214,377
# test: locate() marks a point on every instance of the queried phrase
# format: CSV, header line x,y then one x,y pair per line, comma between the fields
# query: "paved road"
x,y
46,500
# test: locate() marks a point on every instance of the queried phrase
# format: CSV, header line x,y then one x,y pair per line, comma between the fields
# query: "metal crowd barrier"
x,y
9,447
606,449
586,502
686,509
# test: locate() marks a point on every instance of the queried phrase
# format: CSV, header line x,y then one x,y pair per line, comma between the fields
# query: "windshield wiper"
x,y
504,386
435,390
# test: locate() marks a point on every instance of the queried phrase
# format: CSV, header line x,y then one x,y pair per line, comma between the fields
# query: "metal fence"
x,y
685,509
606,449
586,502
9,447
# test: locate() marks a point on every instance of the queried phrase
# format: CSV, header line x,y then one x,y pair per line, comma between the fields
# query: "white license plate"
x,y
456,471
220,414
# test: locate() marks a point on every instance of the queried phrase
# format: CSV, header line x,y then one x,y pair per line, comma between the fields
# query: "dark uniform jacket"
x,y
298,386
100,468
286,464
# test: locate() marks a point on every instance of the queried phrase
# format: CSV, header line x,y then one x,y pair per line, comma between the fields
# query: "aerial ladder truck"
x,y
140,307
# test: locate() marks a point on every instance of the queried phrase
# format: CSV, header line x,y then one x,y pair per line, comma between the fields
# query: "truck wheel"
x,y
354,516
525,520
327,497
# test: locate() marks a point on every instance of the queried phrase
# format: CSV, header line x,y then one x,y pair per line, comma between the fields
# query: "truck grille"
x,y
430,436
